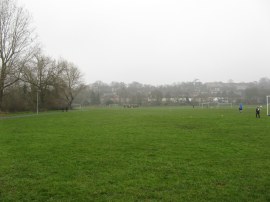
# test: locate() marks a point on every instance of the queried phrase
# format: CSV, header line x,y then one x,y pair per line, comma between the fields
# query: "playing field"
x,y
142,154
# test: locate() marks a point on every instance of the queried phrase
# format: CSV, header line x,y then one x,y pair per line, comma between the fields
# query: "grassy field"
x,y
142,154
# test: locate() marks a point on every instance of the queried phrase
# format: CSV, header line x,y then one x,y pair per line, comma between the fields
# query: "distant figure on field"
x,y
240,107
258,112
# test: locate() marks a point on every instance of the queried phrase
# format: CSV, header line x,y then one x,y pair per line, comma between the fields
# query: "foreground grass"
x,y
159,154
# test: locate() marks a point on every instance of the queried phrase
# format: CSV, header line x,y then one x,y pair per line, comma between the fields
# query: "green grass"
x,y
143,154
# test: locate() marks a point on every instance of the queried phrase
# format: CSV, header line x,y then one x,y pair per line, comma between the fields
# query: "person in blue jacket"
x,y
240,107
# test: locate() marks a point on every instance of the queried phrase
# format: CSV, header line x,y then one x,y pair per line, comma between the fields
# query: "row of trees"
x,y
193,92
25,72
56,83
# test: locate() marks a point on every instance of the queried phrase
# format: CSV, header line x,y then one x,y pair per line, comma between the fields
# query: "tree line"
x,y
182,93
25,72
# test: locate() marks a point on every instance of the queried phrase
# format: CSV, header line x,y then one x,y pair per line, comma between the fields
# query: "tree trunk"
x,y
1,97
2,83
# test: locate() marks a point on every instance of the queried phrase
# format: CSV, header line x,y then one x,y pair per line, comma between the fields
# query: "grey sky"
x,y
157,41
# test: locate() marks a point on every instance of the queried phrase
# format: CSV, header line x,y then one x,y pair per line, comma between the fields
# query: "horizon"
x,y
179,83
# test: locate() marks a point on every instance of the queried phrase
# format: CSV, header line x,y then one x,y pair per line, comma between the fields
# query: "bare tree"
x,y
16,38
71,81
41,73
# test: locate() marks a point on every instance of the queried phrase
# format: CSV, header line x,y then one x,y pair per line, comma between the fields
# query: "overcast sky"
x,y
157,41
